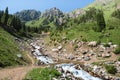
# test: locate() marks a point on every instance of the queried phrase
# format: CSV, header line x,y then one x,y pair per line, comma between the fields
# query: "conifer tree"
x,y
100,21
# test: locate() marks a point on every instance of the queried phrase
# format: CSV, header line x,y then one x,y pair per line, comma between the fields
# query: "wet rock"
x,y
77,67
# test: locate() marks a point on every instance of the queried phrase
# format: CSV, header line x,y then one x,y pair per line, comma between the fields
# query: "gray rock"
x,y
71,57
87,58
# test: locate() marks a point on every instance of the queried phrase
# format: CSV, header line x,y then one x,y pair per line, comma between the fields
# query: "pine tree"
x,y
5,16
1,14
100,21
10,21
3,19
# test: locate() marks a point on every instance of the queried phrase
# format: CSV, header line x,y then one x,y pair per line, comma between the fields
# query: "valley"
x,y
83,44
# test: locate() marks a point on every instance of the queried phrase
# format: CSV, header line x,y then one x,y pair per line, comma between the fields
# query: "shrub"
x,y
98,42
106,45
117,50
111,69
84,39
119,59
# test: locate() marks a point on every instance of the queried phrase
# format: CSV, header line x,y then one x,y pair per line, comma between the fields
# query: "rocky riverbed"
x,y
90,52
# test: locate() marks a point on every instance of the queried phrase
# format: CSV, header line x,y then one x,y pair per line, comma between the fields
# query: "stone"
x,y
92,44
110,43
55,50
64,50
108,55
85,52
78,59
107,77
60,47
99,55
19,55
109,62
71,57
54,79
86,58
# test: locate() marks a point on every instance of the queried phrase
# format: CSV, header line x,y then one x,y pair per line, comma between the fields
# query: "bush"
x,y
119,59
98,42
111,69
84,40
106,45
117,50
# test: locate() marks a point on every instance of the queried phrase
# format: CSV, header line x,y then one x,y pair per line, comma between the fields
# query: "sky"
x,y
41,5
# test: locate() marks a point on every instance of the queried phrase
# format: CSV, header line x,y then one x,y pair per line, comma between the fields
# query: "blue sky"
x,y
41,5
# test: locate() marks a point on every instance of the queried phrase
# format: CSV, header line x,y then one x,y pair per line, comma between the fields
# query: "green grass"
x,y
111,69
108,8
8,50
42,74
84,32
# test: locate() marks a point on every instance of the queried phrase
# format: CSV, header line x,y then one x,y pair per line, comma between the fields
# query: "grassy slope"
x,y
108,8
8,50
90,35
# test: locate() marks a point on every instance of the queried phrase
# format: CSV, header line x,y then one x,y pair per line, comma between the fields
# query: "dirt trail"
x,y
17,73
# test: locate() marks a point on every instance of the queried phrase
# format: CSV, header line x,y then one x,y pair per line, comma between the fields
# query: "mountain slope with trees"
x,y
10,28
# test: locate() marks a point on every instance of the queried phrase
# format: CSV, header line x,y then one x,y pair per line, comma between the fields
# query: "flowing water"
x,y
79,73
66,67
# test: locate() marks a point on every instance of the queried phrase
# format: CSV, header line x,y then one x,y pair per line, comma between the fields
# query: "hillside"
x,y
9,50
108,6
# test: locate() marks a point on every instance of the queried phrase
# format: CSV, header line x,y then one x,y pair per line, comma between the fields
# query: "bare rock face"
x,y
54,15
28,15
76,13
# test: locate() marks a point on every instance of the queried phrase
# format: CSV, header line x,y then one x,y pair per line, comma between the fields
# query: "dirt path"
x,y
17,73
31,59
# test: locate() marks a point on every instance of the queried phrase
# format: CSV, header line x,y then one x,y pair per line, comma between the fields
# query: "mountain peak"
x,y
28,15
52,12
